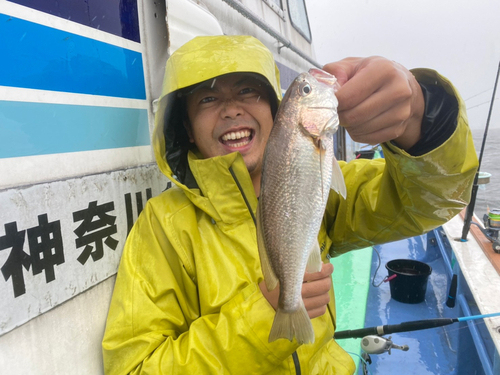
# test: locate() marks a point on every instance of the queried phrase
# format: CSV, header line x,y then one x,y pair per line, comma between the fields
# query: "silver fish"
x,y
299,168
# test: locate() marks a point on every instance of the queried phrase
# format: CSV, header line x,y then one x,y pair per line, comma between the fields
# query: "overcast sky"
x,y
458,38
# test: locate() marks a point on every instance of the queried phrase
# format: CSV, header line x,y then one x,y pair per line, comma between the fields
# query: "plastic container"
x,y
494,216
410,283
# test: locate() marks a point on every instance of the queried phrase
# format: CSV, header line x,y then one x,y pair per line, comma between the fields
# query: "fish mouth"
x,y
237,138
325,78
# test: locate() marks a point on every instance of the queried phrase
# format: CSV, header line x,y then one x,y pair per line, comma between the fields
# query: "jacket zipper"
x,y
295,356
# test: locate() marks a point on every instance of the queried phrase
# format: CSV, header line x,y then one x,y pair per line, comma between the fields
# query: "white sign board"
x,y
58,239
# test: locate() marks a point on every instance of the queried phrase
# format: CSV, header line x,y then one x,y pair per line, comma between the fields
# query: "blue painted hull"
x,y
39,57
118,17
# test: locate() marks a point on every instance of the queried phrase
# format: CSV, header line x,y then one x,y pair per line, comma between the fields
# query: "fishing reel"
x,y
491,228
374,344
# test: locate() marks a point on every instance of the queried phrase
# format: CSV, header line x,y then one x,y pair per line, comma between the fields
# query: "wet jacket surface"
x,y
187,300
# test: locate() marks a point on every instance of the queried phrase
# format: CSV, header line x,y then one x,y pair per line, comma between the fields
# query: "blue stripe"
x,y
28,129
40,57
118,17
287,75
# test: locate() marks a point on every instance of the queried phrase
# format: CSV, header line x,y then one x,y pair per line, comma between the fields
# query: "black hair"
x,y
177,143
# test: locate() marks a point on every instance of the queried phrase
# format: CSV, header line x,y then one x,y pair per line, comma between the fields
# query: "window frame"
x,y
277,9
297,27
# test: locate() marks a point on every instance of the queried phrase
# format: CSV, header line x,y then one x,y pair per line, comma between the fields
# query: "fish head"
x,y
314,93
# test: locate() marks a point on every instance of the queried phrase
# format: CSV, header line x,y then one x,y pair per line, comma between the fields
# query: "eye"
x,y
247,90
207,99
305,89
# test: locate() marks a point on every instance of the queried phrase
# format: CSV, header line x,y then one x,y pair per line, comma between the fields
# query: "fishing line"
x,y
376,270
448,341
362,359
459,328
387,278
479,93
480,104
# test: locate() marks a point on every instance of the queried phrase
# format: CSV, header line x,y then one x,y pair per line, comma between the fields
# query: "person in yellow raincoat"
x,y
188,297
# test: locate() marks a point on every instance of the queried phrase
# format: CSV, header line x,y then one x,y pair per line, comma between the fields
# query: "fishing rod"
x,y
470,208
414,325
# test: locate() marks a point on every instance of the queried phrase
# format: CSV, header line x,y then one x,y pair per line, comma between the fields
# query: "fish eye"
x,y
305,89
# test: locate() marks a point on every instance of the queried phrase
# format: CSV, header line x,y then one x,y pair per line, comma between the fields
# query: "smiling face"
x,y
231,113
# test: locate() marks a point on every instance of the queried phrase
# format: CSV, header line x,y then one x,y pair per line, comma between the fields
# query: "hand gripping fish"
x,y
299,168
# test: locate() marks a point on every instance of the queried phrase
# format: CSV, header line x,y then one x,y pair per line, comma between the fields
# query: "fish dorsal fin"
x,y
314,261
267,270
338,183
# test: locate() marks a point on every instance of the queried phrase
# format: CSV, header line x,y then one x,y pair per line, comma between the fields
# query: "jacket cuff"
x,y
442,108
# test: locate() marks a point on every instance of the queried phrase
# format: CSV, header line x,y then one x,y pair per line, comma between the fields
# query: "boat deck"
x,y
459,348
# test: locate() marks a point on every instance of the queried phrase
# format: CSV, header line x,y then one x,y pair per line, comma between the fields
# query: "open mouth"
x,y
236,139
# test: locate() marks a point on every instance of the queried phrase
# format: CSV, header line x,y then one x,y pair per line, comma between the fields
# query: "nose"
x,y
231,109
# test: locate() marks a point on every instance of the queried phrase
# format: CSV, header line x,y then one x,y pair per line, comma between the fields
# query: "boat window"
x,y
298,16
277,7
276,2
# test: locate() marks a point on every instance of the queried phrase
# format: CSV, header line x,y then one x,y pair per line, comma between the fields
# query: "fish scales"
x,y
296,180
302,209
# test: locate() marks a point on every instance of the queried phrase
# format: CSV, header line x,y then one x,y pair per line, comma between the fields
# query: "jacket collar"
x,y
219,194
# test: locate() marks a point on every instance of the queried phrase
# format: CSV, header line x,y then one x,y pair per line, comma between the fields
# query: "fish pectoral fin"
x,y
287,325
267,270
314,262
338,183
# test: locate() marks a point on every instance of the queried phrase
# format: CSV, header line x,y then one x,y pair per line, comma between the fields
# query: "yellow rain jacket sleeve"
x,y
403,196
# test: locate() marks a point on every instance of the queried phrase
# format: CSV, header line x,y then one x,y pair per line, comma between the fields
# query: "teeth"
x,y
236,135
240,144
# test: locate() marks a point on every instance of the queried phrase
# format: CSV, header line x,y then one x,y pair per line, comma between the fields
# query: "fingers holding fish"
x,y
326,272
360,78
316,306
315,290
379,101
344,69
386,126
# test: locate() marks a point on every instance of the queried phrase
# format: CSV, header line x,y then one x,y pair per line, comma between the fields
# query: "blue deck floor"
x,y
444,350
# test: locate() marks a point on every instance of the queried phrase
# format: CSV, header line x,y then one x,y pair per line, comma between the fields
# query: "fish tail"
x,y
288,325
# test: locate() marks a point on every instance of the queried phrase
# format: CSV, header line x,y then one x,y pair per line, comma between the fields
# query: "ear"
x,y
187,126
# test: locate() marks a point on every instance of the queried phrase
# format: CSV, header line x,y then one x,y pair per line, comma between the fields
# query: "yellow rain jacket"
x,y
187,300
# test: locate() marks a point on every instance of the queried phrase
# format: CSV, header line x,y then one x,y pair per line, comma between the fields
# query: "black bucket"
x,y
410,283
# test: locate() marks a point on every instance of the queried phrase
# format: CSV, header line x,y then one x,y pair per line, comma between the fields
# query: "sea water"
x,y
488,196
